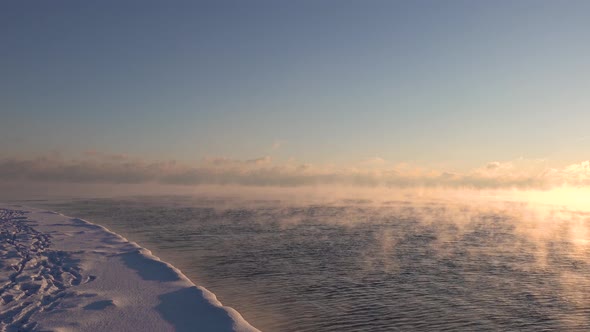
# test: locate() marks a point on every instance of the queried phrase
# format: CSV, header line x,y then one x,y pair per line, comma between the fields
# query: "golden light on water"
x,y
577,199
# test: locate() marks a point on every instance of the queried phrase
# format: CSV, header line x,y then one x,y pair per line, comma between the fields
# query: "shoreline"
x,y
152,276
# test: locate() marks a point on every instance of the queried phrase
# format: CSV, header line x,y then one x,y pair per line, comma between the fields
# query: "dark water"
x,y
357,266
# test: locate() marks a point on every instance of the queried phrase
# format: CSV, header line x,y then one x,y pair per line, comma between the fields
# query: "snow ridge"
x,y
66,274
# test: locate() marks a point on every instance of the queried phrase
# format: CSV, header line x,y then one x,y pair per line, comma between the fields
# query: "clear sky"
x,y
443,84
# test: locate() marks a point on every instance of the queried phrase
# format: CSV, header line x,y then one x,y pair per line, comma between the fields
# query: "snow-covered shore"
x,y
65,274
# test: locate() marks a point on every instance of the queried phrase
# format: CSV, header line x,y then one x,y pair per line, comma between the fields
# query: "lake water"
x,y
362,266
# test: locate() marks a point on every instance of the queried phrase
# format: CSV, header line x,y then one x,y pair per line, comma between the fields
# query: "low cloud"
x,y
276,145
99,168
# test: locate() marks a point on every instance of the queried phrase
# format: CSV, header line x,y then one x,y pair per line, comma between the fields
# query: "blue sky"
x,y
447,84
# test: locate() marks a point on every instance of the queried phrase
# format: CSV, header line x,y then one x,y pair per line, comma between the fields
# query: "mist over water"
x,y
357,265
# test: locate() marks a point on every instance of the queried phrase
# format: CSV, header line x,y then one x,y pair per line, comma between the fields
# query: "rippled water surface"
x,y
359,266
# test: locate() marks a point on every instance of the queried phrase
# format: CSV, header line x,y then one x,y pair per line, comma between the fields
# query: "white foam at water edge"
x,y
63,273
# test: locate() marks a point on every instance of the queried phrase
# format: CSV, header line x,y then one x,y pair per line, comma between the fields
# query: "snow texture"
x,y
66,274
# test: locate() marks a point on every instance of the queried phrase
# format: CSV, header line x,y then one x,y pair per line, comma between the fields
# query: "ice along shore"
x,y
66,274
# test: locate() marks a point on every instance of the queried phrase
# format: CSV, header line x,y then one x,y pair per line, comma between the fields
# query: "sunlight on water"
x,y
357,265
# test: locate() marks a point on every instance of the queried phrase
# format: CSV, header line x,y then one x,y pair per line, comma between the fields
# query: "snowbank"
x,y
65,274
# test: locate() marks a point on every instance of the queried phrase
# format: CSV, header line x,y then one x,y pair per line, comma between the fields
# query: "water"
x,y
360,266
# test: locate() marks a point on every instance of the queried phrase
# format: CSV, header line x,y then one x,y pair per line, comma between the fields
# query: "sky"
x,y
481,93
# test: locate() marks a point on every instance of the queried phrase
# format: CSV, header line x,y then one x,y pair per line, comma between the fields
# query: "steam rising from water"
x,y
403,261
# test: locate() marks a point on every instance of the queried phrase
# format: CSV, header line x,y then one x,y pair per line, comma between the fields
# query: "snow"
x,y
65,274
